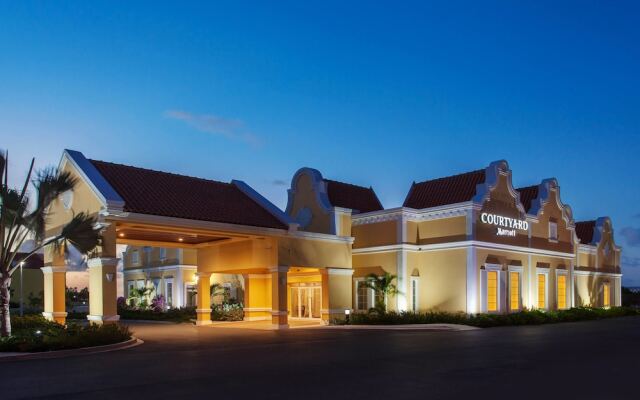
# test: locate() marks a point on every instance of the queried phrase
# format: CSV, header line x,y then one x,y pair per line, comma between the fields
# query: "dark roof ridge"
x,y
346,183
450,176
161,172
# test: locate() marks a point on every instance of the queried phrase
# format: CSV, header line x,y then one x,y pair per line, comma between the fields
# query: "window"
x,y
130,286
492,291
362,295
192,291
542,291
553,230
514,291
414,294
135,257
606,292
169,292
562,292
163,254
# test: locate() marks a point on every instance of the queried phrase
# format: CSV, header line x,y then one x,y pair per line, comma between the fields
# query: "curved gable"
x,y
501,217
308,203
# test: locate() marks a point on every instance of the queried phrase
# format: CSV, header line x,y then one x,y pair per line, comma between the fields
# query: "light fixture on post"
x,y
347,313
21,290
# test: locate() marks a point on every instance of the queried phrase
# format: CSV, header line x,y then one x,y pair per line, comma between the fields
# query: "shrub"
x,y
525,317
158,303
34,333
227,312
184,314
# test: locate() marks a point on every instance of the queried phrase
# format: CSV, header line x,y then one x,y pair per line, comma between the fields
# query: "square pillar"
x,y
203,312
55,279
279,312
257,297
103,290
337,293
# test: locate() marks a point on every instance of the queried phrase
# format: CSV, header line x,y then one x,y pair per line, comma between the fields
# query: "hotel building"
x,y
466,243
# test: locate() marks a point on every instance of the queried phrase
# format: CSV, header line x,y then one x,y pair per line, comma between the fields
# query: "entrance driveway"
x,y
585,360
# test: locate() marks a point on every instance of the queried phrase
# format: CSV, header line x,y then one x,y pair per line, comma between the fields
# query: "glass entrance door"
x,y
306,302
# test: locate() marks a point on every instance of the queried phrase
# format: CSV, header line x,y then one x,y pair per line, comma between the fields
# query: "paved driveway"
x,y
586,360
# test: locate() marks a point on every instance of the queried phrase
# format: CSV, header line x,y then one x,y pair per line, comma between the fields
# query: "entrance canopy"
x,y
233,228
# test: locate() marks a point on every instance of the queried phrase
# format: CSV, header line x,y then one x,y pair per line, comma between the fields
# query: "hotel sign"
x,y
506,226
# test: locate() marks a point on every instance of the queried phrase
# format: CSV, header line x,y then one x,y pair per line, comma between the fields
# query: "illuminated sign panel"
x,y
506,226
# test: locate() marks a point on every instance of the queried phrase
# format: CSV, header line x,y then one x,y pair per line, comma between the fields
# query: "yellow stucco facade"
x,y
487,254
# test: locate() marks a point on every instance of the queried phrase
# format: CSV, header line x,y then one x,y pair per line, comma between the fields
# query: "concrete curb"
x,y
133,342
408,327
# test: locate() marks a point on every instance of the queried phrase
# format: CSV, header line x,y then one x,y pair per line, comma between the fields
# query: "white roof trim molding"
x,y
492,176
412,214
262,201
544,196
103,190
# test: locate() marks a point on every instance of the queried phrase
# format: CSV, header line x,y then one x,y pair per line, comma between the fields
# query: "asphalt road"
x,y
585,360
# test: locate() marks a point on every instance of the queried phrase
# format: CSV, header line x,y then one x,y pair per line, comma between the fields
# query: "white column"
x,y
178,289
472,281
401,298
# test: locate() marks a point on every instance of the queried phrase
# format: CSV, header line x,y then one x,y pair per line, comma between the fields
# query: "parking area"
x,y
178,361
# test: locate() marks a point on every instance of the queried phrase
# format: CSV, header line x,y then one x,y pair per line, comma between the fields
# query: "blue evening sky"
x,y
369,93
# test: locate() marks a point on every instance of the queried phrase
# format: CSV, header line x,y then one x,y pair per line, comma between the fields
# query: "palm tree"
x,y
140,295
20,219
217,289
382,286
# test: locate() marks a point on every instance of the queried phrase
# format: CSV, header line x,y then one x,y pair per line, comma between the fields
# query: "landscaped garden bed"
x,y
35,334
525,317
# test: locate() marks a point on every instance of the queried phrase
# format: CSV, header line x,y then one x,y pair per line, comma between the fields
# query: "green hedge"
x,y
34,333
525,317
177,315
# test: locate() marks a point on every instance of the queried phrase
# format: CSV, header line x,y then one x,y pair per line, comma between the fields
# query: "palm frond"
x,y
49,183
81,232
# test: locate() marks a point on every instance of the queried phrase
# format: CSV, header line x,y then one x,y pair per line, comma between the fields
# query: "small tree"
x,y
20,219
382,286
140,296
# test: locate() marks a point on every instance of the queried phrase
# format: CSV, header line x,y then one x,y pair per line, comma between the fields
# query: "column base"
x,y
203,317
280,326
103,319
56,316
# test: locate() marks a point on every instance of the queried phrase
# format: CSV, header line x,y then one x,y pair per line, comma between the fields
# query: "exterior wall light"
x,y
109,276
347,314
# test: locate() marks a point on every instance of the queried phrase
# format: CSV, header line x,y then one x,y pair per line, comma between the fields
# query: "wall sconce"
x,y
110,276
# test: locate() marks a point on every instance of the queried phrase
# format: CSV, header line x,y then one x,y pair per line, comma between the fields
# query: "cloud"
x,y
631,236
279,182
233,129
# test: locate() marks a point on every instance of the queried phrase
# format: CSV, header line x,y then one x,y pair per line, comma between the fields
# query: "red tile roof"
x,y
358,198
160,193
584,230
528,195
442,191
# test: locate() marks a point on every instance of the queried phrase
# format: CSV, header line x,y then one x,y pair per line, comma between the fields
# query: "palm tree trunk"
x,y
5,318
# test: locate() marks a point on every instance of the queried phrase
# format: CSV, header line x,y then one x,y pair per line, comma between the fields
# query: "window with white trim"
x,y
492,291
542,291
363,295
606,294
514,290
163,254
135,257
553,230
561,288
